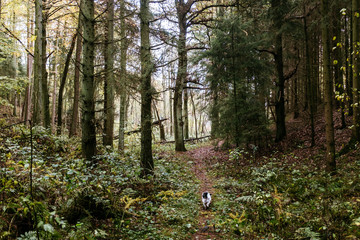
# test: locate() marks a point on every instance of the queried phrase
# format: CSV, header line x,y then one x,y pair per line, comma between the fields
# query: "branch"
x,y
22,44
292,73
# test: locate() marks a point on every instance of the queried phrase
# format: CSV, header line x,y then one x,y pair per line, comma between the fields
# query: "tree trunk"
x,y
356,68
348,69
328,89
29,65
109,77
36,115
186,113
88,84
311,88
181,76
123,60
44,76
75,111
278,19
62,84
146,159
194,112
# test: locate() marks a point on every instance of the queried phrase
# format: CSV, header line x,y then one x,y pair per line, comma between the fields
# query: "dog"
x,y
206,199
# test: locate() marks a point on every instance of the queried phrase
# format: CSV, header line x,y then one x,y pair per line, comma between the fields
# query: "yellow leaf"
x,y
335,62
334,38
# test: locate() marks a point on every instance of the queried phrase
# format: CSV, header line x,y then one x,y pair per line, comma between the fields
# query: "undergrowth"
x,y
278,200
73,199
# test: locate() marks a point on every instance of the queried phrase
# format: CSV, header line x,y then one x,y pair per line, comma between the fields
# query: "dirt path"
x,y
200,157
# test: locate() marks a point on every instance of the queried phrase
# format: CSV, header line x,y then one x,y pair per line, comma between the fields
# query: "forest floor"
x,y
278,192
201,164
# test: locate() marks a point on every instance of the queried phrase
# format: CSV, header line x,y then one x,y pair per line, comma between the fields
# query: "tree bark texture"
x,y
44,76
88,84
62,85
146,159
109,77
75,111
356,68
278,18
123,60
328,89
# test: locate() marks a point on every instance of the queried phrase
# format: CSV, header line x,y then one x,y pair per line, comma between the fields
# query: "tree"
x,y
356,68
277,16
88,85
146,159
123,59
182,9
328,89
75,111
63,82
109,77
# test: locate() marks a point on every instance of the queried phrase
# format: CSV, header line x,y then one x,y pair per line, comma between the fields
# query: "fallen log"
x,y
157,122
187,140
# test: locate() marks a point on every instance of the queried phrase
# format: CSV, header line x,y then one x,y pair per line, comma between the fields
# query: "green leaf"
x,y
48,228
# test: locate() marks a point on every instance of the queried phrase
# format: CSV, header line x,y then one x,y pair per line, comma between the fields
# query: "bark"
x,y
309,82
161,126
123,60
186,113
348,69
29,66
75,111
278,19
109,77
194,112
62,85
36,115
44,76
356,68
146,159
328,90
182,9
88,84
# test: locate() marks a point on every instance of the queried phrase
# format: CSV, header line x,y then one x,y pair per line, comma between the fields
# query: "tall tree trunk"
x,y
186,113
44,76
88,84
146,159
109,77
14,65
75,111
194,112
182,10
311,88
62,84
356,68
55,61
278,19
348,64
123,60
36,115
29,65
328,89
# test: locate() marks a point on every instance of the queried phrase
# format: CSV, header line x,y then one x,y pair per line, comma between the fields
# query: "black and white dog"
x,y
206,199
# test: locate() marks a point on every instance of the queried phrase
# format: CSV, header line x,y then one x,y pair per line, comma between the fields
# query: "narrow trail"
x,y
200,157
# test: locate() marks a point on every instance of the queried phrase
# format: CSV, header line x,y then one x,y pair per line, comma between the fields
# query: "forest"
x,y
116,116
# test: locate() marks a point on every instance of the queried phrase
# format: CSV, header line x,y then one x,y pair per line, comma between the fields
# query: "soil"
x,y
201,158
